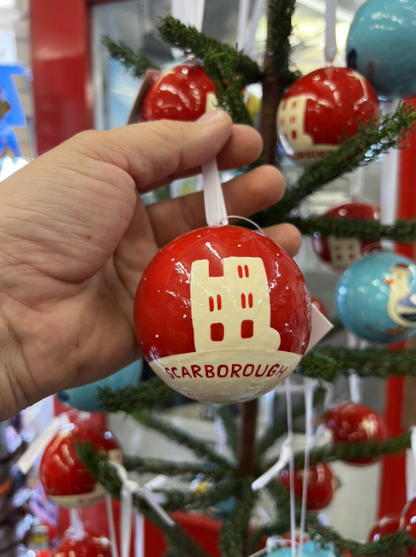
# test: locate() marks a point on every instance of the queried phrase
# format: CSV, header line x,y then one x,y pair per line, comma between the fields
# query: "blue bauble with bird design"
x,y
381,46
376,298
282,548
86,397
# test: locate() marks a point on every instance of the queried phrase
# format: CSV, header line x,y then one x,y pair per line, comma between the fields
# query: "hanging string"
x,y
353,379
331,49
310,385
291,467
357,183
243,8
411,467
76,524
258,11
111,526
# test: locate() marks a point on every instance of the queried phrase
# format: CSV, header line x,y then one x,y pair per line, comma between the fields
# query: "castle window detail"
x,y
246,271
219,302
250,300
217,332
247,328
211,303
243,301
240,271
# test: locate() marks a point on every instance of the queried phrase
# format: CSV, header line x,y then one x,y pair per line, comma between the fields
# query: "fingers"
x,y
287,236
244,147
155,152
245,195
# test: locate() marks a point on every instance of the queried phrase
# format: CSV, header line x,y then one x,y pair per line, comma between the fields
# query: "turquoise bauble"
x,y
376,298
86,397
381,46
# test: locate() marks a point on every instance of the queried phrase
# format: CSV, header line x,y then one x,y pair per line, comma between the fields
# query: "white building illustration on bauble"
x,y
232,311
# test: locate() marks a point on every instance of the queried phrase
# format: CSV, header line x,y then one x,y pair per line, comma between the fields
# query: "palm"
x,y
75,239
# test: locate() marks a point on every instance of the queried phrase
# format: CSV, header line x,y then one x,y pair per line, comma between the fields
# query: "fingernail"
x,y
210,118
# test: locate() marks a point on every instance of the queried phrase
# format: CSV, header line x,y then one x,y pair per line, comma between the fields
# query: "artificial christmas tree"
x,y
230,70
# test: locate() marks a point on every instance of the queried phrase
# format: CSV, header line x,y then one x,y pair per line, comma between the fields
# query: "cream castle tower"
x,y
232,311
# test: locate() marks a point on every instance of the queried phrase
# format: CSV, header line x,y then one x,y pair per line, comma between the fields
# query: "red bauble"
x,y
182,93
340,253
389,524
222,314
90,546
321,485
319,305
353,423
408,523
64,477
321,109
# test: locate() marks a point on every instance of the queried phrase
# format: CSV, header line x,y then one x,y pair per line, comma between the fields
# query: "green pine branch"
x,y
187,500
136,63
280,29
371,141
329,362
147,394
363,449
230,427
392,545
232,540
402,231
187,38
201,449
168,468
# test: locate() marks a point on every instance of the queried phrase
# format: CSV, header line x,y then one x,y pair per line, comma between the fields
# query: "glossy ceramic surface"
x,y
322,108
376,298
381,45
321,485
408,523
64,477
353,423
182,93
222,314
86,397
88,547
389,524
341,253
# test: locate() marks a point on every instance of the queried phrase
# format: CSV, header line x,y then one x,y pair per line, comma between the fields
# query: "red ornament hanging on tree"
x,y
64,477
340,253
90,546
354,423
389,524
222,314
184,93
321,485
321,109
408,523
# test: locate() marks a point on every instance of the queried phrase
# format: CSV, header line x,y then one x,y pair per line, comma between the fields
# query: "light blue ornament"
x,y
376,298
287,552
86,397
381,46
310,549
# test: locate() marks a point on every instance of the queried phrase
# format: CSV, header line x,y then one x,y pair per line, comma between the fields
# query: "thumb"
x,y
151,152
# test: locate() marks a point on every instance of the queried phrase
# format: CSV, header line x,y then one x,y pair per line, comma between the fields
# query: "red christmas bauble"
x,y
321,485
340,253
408,523
222,314
319,305
64,477
90,546
389,524
353,423
321,109
184,92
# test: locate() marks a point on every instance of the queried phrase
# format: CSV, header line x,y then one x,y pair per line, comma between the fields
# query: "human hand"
x,y
75,239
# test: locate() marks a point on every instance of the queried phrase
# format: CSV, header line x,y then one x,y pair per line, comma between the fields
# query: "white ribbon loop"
x,y
111,527
215,210
354,380
267,477
331,49
258,11
76,524
411,467
36,448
